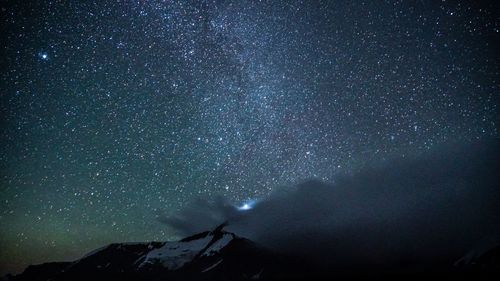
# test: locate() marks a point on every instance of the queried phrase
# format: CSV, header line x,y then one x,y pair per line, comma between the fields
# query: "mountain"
x,y
221,255
210,255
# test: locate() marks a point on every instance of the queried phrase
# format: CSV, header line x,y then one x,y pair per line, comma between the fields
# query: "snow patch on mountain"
x,y
212,266
174,255
218,245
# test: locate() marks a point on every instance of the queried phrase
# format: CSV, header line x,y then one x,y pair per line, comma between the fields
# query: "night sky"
x,y
113,112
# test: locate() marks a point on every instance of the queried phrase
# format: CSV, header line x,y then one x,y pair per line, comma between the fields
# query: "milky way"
x,y
116,111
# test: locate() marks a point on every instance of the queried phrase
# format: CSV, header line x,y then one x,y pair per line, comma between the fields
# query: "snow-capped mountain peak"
x,y
174,255
210,255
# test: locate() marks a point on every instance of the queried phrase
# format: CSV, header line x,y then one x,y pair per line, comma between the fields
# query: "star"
x,y
43,55
156,104
245,207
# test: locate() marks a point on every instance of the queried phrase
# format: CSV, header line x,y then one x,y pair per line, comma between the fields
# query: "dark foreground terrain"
x,y
221,255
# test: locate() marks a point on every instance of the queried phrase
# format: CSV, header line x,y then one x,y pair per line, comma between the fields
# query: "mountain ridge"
x,y
221,255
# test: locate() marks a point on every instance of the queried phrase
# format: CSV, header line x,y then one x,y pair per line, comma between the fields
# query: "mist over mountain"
x,y
425,209
435,215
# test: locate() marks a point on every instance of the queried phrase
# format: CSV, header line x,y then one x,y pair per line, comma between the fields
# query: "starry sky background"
x,y
115,111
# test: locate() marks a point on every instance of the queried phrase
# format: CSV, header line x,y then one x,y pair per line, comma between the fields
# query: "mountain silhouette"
x,y
221,255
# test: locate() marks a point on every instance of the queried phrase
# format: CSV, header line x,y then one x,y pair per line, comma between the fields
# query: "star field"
x,y
116,111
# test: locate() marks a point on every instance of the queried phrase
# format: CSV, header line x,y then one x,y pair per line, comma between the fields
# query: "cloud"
x,y
423,209
200,215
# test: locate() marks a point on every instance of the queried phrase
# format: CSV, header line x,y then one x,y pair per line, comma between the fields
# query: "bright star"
x,y
43,55
247,205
